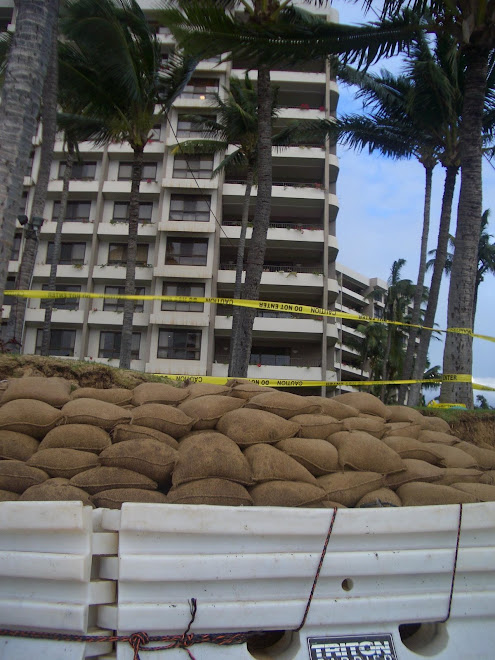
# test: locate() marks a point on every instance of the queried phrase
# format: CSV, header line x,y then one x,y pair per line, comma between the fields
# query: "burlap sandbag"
x,y
83,437
423,494
250,426
411,448
454,457
104,478
210,454
150,457
55,492
482,492
286,493
435,424
8,496
487,478
216,492
116,395
335,409
317,426
349,487
404,414
438,437
158,393
318,456
374,426
161,417
123,432
362,451
207,410
246,390
380,497
415,470
270,464
16,476
459,475
202,389
364,402
63,462
402,429
28,416
17,446
485,458
53,391
283,404
116,497
94,412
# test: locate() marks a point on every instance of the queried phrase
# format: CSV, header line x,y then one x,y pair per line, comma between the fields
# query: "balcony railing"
x,y
226,310
284,184
289,269
274,361
279,225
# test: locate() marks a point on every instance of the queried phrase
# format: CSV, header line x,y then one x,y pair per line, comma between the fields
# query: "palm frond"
x,y
190,147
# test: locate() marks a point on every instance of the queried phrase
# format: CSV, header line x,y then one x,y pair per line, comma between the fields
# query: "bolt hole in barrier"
x,y
273,643
347,584
425,639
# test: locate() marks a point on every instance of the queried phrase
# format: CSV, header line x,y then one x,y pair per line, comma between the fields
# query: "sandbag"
x,y
482,492
94,412
16,476
116,497
246,390
404,414
487,478
8,496
158,393
116,395
402,430
438,437
362,451
454,457
415,470
161,417
335,409
83,437
485,458
380,497
150,457
349,487
318,456
17,446
364,402
250,426
216,492
375,426
317,426
283,404
29,416
423,494
435,424
286,493
202,389
207,410
53,391
411,448
270,464
460,475
104,478
63,462
55,492
123,432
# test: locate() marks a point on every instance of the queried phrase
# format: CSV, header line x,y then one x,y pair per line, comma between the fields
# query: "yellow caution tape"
x,y
254,304
434,404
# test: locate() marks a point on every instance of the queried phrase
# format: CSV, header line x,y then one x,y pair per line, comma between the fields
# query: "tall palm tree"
x,y
269,31
114,58
24,77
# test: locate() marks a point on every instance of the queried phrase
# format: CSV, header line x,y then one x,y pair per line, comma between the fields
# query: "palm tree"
x,y
24,77
269,31
115,62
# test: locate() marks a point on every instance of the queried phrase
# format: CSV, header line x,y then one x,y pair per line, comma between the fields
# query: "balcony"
x,y
183,272
110,272
86,187
292,374
179,226
64,271
114,319
295,326
62,316
181,319
122,189
111,229
80,228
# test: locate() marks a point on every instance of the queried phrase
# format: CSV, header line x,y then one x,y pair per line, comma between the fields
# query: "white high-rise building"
x,y
188,236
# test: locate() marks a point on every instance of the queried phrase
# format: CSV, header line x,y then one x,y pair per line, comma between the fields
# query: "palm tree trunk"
x,y
21,94
130,273
418,293
57,245
49,122
242,340
436,281
458,352
240,260
385,367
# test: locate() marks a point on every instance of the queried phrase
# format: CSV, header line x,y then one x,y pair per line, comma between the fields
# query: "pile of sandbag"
x,y
234,445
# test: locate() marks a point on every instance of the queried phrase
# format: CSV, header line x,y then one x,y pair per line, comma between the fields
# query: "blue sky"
x,y
381,216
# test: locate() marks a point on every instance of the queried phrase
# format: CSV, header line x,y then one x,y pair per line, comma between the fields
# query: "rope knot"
x,y
136,640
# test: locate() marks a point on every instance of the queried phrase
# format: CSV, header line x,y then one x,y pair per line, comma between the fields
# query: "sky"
x,y
381,216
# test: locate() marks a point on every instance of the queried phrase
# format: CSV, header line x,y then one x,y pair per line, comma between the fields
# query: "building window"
x,y
190,208
201,89
116,305
23,204
155,134
70,253
183,289
193,167
80,171
117,254
274,357
179,344
125,171
62,342
63,303
186,251
29,166
76,211
121,212
187,127
110,345
16,246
